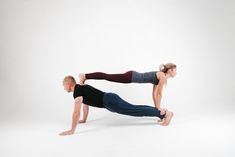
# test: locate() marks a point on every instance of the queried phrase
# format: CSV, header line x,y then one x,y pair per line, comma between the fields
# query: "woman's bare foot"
x,y
166,121
82,78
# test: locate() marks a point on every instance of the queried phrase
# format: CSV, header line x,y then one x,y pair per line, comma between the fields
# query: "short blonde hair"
x,y
69,79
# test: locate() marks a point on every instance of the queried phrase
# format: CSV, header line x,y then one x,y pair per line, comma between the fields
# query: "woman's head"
x,y
169,68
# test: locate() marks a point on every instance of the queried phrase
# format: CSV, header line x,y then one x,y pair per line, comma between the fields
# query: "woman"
x,y
157,78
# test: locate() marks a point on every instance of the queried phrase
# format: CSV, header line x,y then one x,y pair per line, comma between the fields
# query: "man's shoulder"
x,y
82,87
86,86
77,91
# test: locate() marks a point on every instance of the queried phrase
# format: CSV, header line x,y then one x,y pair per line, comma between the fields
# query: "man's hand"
x,y
69,132
82,121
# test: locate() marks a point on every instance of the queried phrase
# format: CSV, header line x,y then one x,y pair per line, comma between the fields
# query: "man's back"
x,y
91,96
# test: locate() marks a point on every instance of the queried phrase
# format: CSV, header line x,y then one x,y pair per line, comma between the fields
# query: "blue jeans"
x,y
114,103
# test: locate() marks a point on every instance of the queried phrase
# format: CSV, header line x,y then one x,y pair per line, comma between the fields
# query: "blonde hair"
x,y
165,67
70,79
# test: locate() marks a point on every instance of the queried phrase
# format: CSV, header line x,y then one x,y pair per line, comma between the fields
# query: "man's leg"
x,y
116,104
119,78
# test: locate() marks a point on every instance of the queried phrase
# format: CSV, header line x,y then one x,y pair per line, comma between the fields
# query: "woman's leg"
x,y
119,78
116,104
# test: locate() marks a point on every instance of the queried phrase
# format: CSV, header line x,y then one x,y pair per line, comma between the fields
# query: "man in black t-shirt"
x,y
90,96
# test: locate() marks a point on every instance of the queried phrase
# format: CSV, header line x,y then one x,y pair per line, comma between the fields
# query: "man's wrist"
x,y
73,130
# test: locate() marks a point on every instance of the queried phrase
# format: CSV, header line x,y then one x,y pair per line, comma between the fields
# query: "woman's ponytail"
x,y
162,68
165,67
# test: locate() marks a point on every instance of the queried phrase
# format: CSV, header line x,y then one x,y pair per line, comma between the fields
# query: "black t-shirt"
x,y
91,96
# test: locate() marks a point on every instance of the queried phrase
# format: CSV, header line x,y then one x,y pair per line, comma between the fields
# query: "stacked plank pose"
x,y
90,96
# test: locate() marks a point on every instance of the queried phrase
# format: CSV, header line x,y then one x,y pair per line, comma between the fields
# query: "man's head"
x,y
69,83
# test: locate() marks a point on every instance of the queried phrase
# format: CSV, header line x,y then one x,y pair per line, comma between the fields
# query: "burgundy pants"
x,y
120,78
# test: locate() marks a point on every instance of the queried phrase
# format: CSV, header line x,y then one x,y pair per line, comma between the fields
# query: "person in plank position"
x,y
90,96
157,78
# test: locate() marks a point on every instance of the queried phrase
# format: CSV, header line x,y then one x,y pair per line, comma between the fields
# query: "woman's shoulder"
x,y
160,75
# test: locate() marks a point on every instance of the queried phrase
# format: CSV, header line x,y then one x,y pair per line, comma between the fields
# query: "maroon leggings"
x,y
120,78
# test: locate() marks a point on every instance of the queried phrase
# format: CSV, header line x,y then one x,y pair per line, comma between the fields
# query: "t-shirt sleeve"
x,y
77,93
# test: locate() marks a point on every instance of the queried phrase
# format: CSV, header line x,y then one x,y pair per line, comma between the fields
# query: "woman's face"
x,y
172,72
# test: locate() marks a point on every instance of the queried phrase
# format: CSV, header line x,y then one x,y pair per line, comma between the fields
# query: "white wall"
x,y
42,41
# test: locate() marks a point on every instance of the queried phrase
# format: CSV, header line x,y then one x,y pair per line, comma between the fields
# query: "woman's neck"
x,y
167,75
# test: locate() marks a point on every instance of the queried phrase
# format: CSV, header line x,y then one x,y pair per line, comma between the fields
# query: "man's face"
x,y
67,86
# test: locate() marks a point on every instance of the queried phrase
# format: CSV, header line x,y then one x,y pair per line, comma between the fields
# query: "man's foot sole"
x,y
167,119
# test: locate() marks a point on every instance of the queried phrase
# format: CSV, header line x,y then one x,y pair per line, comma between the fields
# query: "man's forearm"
x,y
85,112
76,116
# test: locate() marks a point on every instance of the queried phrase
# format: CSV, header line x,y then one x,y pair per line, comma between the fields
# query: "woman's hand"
x,y
162,111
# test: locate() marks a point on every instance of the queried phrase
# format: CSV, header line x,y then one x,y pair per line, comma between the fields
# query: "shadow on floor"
x,y
108,122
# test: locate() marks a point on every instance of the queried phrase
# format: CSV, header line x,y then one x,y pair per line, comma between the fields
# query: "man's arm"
x,y
75,117
85,113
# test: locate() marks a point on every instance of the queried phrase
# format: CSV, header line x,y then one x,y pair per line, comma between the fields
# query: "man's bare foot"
x,y
166,121
160,121
82,78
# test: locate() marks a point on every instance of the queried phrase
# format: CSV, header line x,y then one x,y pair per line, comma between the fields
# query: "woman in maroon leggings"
x,y
157,78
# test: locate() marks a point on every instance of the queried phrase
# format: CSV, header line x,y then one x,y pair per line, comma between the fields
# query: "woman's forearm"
x,y
157,100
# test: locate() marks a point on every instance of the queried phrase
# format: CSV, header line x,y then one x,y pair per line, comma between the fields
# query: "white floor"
x,y
210,135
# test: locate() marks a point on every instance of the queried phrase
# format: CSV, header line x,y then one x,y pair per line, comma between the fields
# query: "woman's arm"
x,y
154,93
157,92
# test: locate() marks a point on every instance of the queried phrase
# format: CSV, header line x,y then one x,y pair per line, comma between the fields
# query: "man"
x,y
90,96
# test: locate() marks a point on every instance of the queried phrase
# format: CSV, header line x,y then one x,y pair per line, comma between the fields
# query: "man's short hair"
x,y
70,79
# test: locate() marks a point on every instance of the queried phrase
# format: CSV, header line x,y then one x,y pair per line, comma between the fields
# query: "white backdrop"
x,y
42,41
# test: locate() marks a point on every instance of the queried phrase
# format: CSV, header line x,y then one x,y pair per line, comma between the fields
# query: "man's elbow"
x,y
76,113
